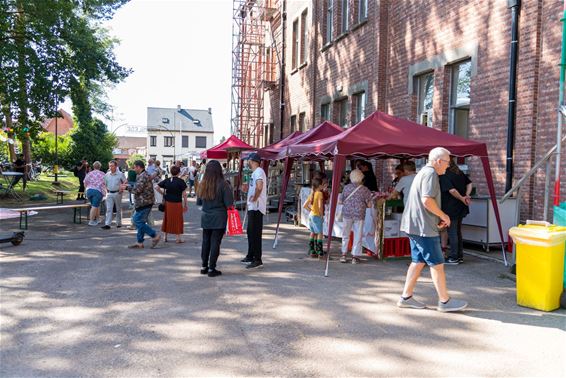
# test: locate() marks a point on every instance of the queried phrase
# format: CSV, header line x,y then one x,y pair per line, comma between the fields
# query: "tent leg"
x,y
327,262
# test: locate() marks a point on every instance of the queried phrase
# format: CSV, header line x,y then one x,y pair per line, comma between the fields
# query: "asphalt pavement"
x,y
74,301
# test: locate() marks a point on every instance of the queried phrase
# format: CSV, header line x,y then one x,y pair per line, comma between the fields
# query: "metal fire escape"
x,y
253,65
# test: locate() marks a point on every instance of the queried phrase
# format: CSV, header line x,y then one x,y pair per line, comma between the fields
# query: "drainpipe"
x,y
560,114
282,70
515,6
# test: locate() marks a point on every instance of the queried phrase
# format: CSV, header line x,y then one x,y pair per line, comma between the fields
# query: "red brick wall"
x,y
401,34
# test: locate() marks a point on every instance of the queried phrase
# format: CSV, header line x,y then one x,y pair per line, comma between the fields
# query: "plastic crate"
x,y
396,247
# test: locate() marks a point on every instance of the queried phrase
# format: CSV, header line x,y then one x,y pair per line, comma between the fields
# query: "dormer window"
x,y
165,120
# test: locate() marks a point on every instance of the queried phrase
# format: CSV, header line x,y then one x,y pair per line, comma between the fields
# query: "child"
x,y
315,204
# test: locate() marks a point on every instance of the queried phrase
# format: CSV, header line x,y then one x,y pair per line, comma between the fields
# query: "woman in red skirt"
x,y
175,194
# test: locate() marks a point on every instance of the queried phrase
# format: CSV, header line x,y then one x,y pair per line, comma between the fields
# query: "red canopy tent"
x,y
324,130
384,136
221,150
268,153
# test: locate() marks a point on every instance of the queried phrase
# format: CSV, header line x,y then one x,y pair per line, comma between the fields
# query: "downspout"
x,y
515,6
560,114
314,62
282,70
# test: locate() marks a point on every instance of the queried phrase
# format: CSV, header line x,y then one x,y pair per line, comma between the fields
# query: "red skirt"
x,y
173,222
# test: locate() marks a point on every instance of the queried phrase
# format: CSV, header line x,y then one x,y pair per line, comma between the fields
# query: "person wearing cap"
x,y
257,207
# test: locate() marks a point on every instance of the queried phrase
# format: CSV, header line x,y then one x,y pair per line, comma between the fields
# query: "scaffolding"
x,y
255,55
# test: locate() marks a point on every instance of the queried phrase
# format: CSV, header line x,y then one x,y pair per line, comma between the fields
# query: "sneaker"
x,y
105,227
355,260
246,260
452,261
255,264
314,255
410,303
461,260
92,223
343,259
214,273
452,305
119,226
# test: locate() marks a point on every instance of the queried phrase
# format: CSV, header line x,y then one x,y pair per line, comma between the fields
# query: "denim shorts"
x,y
426,249
94,197
315,224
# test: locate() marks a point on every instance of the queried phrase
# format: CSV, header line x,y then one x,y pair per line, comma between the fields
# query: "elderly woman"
x,y
95,192
176,203
355,198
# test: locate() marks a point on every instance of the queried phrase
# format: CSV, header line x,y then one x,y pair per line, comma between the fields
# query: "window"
x,y
271,133
153,141
302,126
329,21
325,112
341,112
304,31
345,9
295,47
362,10
293,124
185,141
169,141
460,98
425,87
360,103
271,66
200,142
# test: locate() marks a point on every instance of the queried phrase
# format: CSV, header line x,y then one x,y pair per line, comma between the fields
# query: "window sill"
x,y
359,24
342,36
326,47
303,65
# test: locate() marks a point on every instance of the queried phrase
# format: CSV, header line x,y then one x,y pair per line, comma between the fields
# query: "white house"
x,y
178,134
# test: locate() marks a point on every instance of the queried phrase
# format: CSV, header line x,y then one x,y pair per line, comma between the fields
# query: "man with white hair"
x,y
422,221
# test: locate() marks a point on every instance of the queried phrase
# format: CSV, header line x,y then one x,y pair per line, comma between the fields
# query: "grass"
x,y
44,186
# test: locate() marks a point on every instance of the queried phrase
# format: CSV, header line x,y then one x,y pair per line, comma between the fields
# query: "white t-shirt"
x,y
192,171
404,186
261,203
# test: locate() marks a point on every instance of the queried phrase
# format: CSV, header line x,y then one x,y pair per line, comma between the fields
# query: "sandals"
x,y
155,241
136,246
343,259
180,241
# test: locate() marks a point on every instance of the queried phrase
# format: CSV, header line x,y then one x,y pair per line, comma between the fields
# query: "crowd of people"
x,y
435,200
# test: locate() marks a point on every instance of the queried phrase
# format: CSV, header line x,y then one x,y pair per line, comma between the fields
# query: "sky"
x,y
180,53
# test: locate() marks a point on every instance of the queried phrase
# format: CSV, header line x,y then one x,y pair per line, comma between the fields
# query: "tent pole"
x,y
286,176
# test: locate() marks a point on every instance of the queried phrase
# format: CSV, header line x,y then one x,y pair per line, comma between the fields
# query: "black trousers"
x,y
211,240
255,230
81,187
455,237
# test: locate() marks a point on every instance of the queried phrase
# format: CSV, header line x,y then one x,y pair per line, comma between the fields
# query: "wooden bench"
x,y
60,194
77,214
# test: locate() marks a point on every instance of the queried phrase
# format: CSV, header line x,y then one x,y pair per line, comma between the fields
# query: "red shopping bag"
x,y
234,222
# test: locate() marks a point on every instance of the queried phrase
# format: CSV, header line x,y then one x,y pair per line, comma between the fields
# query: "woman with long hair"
x,y
215,196
176,203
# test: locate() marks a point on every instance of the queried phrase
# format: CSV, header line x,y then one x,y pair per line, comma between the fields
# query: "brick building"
x,y
444,64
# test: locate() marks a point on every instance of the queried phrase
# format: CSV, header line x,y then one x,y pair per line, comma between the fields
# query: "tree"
x,y
132,159
44,146
93,142
49,48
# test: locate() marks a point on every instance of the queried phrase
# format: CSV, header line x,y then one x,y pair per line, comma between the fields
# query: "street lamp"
x,y
56,165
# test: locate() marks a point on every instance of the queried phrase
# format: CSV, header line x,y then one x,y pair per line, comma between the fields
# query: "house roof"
x,y
197,120
131,142
64,124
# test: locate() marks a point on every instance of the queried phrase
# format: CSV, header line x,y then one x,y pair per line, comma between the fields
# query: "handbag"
x,y
161,206
234,222
339,216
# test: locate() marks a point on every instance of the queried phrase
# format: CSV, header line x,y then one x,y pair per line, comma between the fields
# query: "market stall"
x,y
384,136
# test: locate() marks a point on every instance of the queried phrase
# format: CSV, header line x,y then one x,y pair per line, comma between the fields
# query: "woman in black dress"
x,y
215,196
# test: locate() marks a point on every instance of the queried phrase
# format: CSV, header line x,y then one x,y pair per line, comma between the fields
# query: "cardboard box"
x,y
391,228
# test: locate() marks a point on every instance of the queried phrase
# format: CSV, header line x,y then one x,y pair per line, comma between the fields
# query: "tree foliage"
x,y
93,142
50,49
134,157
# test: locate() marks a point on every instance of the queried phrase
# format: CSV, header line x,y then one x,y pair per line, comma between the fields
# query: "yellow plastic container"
x,y
540,265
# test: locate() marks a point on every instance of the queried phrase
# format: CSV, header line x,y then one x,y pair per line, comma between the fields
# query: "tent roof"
x,y
382,135
323,131
220,151
267,152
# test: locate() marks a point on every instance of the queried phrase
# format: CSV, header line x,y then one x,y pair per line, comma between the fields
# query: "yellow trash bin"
x,y
540,265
